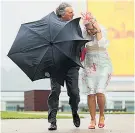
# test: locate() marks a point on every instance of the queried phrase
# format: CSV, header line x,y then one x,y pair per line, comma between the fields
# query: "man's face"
x,y
90,29
68,14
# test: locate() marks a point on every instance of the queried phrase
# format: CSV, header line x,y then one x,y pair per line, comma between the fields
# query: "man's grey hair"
x,y
60,11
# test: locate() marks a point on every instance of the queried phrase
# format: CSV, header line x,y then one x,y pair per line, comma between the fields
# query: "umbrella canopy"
x,y
48,47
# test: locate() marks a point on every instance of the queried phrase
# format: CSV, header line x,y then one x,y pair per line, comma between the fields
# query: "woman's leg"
x,y
92,109
100,92
101,104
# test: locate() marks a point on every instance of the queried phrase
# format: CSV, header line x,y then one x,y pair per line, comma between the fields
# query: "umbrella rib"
x,y
36,32
80,39
59,32
27,50
64,26
63,52
38,65
35,48
50,39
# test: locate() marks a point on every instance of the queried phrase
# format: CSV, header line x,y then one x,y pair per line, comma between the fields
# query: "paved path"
x,y
114,124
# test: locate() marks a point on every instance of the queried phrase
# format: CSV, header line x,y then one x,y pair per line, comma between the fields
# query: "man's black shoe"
x,y
53,126
76,119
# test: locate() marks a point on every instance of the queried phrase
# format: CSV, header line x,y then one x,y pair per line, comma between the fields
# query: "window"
x,y
12,105
130,106
117,104
10,108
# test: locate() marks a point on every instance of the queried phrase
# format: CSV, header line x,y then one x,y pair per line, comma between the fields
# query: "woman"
x,y
97,68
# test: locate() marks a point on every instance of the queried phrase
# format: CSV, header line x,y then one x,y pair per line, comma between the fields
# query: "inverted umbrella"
x,y
48,47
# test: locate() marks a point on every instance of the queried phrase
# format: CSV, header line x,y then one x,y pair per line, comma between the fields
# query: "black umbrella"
x,y
48,47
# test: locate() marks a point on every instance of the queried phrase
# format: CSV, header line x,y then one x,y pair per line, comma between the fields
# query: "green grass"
x,y
59,113
98,112
26,115
109,112
119,112
44,115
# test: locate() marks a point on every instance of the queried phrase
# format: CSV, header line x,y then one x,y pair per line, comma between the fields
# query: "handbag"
x,y
83,53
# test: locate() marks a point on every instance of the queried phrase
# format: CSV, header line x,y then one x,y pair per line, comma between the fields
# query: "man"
x,y
65,13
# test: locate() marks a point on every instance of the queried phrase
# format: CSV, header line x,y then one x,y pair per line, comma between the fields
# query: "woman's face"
x,y
90,29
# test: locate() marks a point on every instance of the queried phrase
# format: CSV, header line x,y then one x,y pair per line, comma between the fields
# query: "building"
x,y
120,95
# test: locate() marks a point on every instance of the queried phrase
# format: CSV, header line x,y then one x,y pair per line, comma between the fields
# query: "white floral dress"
x,y
96,74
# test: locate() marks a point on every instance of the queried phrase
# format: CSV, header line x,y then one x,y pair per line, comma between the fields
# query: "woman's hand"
x,y
96,26
94,23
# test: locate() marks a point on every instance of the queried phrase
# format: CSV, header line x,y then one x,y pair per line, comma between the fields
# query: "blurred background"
x,y
116,16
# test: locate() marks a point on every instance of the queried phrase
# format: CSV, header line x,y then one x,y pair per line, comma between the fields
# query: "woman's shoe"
x,y
101,122
92,124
